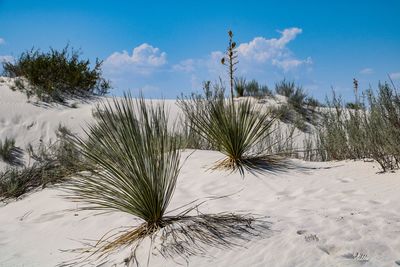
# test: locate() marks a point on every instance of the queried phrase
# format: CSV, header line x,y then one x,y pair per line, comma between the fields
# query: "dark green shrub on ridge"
x,y
56,75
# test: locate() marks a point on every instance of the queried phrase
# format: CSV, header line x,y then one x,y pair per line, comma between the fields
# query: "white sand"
x,y
321,214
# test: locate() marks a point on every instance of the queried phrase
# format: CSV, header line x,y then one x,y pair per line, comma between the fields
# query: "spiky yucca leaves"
x,y
234,128
134,164
137,163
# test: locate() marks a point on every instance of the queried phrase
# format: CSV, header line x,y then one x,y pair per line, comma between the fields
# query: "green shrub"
x,y
240,86
285,88
56,75
252,88
300,107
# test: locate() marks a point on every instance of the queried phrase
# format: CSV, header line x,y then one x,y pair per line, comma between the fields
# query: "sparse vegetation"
x,y
52,164
372,130
300,109
135,166
252,88
56,75
9,153
234,129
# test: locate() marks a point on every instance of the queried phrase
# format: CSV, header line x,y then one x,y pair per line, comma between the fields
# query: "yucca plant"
x,y
236,130
134,164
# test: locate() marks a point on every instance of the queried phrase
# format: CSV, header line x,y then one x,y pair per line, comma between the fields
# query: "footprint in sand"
x,y
357,256
328,249
308,237
47,217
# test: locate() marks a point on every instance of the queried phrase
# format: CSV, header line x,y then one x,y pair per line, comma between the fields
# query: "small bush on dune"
x,y
240,86
285,88
135,162
252,88
56,75
300,108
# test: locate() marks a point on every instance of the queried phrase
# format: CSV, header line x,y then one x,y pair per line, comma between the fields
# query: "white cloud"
x,y
2,41
262,50
290,63
367,71
187,65
143,60
273,52
395,75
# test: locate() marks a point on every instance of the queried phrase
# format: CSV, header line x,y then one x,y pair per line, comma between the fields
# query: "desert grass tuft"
x,y
52,163
369,130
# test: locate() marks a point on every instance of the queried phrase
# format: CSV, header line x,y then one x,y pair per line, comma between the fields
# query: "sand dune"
x,y
320,214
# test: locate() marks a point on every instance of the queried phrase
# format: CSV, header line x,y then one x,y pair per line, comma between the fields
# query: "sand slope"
x,y
321,214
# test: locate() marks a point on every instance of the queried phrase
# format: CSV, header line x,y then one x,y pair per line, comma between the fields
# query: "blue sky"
x,y
168,47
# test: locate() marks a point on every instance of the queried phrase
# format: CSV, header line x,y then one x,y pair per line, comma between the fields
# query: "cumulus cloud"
x,y
262,50
290,63
273,51
367,71
144,59
2,41
187,65
395,75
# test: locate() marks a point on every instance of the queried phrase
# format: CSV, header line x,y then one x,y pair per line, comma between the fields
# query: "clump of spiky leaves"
x,y
235,129
134,163
136,159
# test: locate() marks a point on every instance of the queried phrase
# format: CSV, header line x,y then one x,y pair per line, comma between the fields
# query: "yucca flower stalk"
x,y
230,61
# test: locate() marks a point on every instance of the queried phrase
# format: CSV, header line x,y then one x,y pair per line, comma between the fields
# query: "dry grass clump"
x,y
52,164
372,130
134,164
9,153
